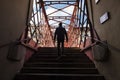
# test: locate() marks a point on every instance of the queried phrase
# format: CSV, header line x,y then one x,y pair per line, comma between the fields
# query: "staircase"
x,y
46,65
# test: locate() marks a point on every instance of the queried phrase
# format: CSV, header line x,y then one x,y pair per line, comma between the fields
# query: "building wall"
x,y
109,31
13,14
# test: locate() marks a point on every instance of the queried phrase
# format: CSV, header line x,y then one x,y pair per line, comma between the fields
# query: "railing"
x,y
19,42
97,41
15,47
94,38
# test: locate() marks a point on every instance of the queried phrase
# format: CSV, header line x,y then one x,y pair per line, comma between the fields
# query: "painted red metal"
x,y
78,29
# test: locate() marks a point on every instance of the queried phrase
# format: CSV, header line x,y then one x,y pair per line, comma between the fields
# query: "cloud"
x,y
69,9
59,13
50,10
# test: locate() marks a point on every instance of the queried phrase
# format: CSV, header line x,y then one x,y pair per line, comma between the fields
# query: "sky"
x,y
49,10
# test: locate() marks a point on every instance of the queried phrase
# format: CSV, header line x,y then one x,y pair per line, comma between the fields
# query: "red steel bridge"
x,y
45,15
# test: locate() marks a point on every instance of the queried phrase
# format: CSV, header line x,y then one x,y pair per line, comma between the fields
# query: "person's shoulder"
x,y
63,28
57,28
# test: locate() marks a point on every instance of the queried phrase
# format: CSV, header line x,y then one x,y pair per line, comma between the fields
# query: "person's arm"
x,y
55,34
66,36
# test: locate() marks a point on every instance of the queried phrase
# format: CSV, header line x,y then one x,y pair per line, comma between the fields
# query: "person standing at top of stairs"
x,y
60,33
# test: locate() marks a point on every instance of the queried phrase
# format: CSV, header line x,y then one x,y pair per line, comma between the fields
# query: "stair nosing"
x,y
55,68
51,74
57,63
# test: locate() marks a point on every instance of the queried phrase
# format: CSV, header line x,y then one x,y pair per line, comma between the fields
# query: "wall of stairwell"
x,y
109,31
12,23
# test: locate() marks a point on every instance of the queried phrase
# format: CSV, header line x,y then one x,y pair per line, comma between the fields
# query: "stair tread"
x,y
54,68
57,74
58,63
61,65
45,65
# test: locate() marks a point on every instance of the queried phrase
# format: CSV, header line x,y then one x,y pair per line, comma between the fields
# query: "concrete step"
x,y
55,53
60,59
52,50
59,70
37,76
46,65
60,64
39,55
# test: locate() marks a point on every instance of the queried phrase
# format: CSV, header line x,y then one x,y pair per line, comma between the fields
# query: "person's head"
x,y
60,24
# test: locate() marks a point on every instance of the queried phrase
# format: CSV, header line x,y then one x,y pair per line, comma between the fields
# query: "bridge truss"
x,y
45,15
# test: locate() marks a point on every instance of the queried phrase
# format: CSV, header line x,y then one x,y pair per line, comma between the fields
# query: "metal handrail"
x,y
93,44
19,42
90,46
30,47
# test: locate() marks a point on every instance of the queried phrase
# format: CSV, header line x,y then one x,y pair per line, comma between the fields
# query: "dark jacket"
x,y
61,33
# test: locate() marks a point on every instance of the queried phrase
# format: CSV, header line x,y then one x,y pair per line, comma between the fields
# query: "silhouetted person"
x,y
60,33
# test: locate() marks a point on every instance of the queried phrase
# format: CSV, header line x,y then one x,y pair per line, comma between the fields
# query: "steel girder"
x,y
41,30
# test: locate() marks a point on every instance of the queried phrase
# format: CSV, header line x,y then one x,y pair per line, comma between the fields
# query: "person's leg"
x,y
62,48
58,48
